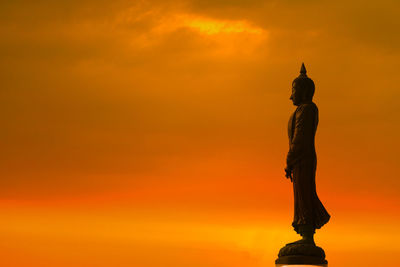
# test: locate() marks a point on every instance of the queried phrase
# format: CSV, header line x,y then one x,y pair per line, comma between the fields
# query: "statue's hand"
x,y
288,174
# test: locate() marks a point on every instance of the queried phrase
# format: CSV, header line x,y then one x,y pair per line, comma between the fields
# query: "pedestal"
x,y
301,254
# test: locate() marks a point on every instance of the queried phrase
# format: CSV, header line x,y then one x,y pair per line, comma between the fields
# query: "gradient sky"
x,y
141,128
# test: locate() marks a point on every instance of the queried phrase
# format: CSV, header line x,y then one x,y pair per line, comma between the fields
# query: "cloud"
x,y
100,87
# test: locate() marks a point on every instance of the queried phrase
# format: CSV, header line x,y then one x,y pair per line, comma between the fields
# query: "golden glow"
x,y
153,133
116,232
212,26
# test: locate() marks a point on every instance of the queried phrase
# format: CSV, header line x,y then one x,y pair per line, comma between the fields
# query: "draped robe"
x,y
302,159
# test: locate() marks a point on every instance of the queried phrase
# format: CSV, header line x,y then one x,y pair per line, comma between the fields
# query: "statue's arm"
x,y
303,128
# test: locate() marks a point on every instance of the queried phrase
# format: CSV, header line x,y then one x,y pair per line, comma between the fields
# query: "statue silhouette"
x,y
301,163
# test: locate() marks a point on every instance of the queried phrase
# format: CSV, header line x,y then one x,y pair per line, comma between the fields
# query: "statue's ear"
x,y
302,93
305,95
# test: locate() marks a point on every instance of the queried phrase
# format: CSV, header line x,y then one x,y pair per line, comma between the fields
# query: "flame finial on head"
x,y
303,71
303,82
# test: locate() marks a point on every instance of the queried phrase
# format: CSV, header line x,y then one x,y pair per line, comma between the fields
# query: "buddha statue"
x,y
301,163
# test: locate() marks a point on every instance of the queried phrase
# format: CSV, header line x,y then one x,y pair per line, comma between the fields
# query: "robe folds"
x,y
302,159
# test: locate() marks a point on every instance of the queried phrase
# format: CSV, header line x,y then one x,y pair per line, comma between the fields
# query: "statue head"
x,y
302,88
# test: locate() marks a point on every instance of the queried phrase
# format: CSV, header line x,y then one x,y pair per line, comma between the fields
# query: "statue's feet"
x,y
302,241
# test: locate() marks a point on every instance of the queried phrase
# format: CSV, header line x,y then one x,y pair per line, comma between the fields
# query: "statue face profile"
x,y
297,94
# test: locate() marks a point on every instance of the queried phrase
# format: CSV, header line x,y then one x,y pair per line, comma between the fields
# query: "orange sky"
x,y
141,128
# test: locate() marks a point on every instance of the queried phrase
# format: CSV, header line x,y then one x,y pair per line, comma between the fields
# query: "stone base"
x,y
301,260
301,254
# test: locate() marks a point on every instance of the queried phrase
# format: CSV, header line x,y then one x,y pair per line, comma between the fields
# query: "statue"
x,y
301,163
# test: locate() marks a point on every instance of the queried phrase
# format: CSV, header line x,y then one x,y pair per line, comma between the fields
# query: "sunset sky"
x,y
154,133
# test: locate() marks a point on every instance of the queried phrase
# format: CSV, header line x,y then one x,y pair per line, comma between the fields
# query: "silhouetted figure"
x,y
301,163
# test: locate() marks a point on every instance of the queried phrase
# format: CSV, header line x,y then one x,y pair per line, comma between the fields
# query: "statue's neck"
x,y
305,102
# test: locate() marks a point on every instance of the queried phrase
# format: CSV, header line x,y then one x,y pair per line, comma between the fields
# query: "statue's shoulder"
x,y
309,109
309,106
